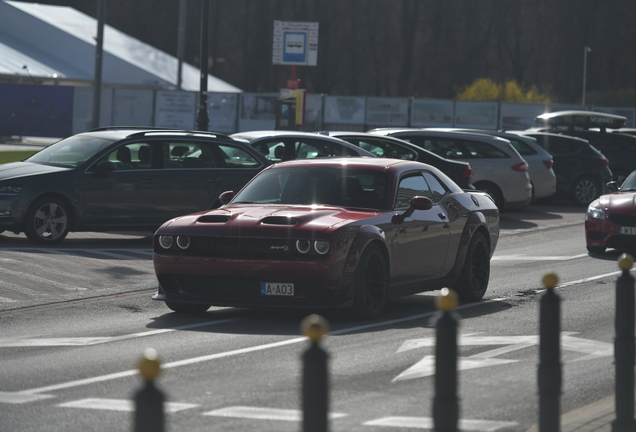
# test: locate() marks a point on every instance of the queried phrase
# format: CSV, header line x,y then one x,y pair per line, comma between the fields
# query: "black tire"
x,y
187,308
584,190
47,221
473,281
371,283
596,249
494,192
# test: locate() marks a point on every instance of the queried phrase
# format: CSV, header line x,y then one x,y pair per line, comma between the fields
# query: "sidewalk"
x,y
596,417
26,143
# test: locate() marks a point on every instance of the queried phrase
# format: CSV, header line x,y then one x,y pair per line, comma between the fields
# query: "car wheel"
x,y
187,308
596,249
371,283
47,221
584,190
494,192
473,281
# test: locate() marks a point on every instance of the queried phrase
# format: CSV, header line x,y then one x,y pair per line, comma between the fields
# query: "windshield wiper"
x,y
245,202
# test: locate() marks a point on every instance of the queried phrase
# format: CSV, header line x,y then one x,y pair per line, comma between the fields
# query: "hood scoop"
x,y
279,220
213,219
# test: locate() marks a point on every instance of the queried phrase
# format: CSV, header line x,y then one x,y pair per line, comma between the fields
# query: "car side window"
x,y
132,156
236,157
446,148
559,147
410,187
274,151
183,154
484,150
523,148
437,188
390,150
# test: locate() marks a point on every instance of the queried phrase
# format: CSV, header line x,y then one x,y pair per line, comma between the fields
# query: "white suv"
x,y
498,168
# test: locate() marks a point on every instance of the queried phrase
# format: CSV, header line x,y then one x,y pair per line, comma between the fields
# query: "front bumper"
x,y
603,233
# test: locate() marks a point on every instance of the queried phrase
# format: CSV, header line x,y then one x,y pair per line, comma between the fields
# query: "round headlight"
x,y
165,241
322,247
183,242
303,246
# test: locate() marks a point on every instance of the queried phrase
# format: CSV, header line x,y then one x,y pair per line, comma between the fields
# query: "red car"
x,y
611,219
351,232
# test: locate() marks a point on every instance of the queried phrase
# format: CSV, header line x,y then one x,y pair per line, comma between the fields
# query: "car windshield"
x,y
71,152
329,186
629,185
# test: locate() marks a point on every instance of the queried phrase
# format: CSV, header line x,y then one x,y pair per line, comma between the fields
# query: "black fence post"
x,y
549,373
624,348
315,380
149,415
445,400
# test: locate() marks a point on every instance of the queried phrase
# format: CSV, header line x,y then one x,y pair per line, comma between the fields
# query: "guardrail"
x,y
149,400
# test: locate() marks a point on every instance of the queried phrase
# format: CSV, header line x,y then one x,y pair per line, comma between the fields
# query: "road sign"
x,y
295,43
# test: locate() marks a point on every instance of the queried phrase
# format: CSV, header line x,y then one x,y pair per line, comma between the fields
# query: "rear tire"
x,y
584,190
371,283
473,281
187,308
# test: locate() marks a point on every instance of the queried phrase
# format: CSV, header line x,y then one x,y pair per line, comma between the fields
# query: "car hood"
x,y
621,202
14,170
263,220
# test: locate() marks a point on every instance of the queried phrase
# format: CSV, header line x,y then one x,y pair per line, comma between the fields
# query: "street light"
x,y
585,51
202,116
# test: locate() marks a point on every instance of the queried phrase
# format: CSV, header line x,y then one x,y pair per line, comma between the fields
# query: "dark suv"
x,y
581,170
118,179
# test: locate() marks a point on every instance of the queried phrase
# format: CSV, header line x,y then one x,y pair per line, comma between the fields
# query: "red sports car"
x,y
351,232
611,219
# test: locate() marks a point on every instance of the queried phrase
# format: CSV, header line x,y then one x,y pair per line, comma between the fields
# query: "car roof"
x,y
122,132
581,119
362,163
549,134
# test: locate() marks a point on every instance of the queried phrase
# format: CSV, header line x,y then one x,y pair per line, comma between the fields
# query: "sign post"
x,y
295,44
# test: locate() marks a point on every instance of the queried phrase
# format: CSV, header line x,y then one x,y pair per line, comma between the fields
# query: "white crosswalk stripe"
x,y
121,405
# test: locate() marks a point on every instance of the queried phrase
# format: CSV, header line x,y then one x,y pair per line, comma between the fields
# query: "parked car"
x,y
282,145
619,148
497,167
351,232
581,170
386,146
539,160
117,179
610,221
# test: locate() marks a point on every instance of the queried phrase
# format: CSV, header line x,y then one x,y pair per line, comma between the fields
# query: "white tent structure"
x,y
44,43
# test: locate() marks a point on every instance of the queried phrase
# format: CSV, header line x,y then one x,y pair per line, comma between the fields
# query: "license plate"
x,y
277,289
627,230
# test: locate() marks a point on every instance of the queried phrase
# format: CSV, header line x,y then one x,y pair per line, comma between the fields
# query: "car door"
x,y
125,196
420,243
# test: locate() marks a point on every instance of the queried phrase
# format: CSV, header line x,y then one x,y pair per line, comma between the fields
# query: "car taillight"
x,y
468,173
548,163
605,161
523,166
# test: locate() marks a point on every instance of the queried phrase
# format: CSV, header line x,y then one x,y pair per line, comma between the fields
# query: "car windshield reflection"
x,y
321,186
70,152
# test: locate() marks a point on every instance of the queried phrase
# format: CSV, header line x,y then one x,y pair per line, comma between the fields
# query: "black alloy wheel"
x,y
371,283
47,221
473,281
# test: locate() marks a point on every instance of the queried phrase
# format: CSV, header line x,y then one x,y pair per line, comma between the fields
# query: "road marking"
x,y
536,258
18,398
122,405
86,341
426,366
32,266
263,413
427,423
43,281
6,300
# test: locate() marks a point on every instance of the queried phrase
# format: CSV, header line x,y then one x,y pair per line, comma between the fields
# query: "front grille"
x,y
623,219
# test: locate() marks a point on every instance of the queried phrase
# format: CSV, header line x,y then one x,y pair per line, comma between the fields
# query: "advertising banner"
x,y
478,115
133,107
387,112
258,111
223,111
83,108
432,113
175,109
345,110
519,116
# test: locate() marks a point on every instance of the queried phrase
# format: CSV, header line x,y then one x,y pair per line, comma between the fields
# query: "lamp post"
x,y
99,51
585,51
202,116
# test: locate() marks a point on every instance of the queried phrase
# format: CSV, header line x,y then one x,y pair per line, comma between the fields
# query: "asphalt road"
x,y
70,344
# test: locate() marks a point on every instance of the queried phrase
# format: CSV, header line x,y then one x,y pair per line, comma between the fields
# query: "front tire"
x,y
473,281
187,308
371,284
47,221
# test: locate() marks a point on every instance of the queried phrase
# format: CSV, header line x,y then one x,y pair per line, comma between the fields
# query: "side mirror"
x,y
612,186
226,197
104,167
417,203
